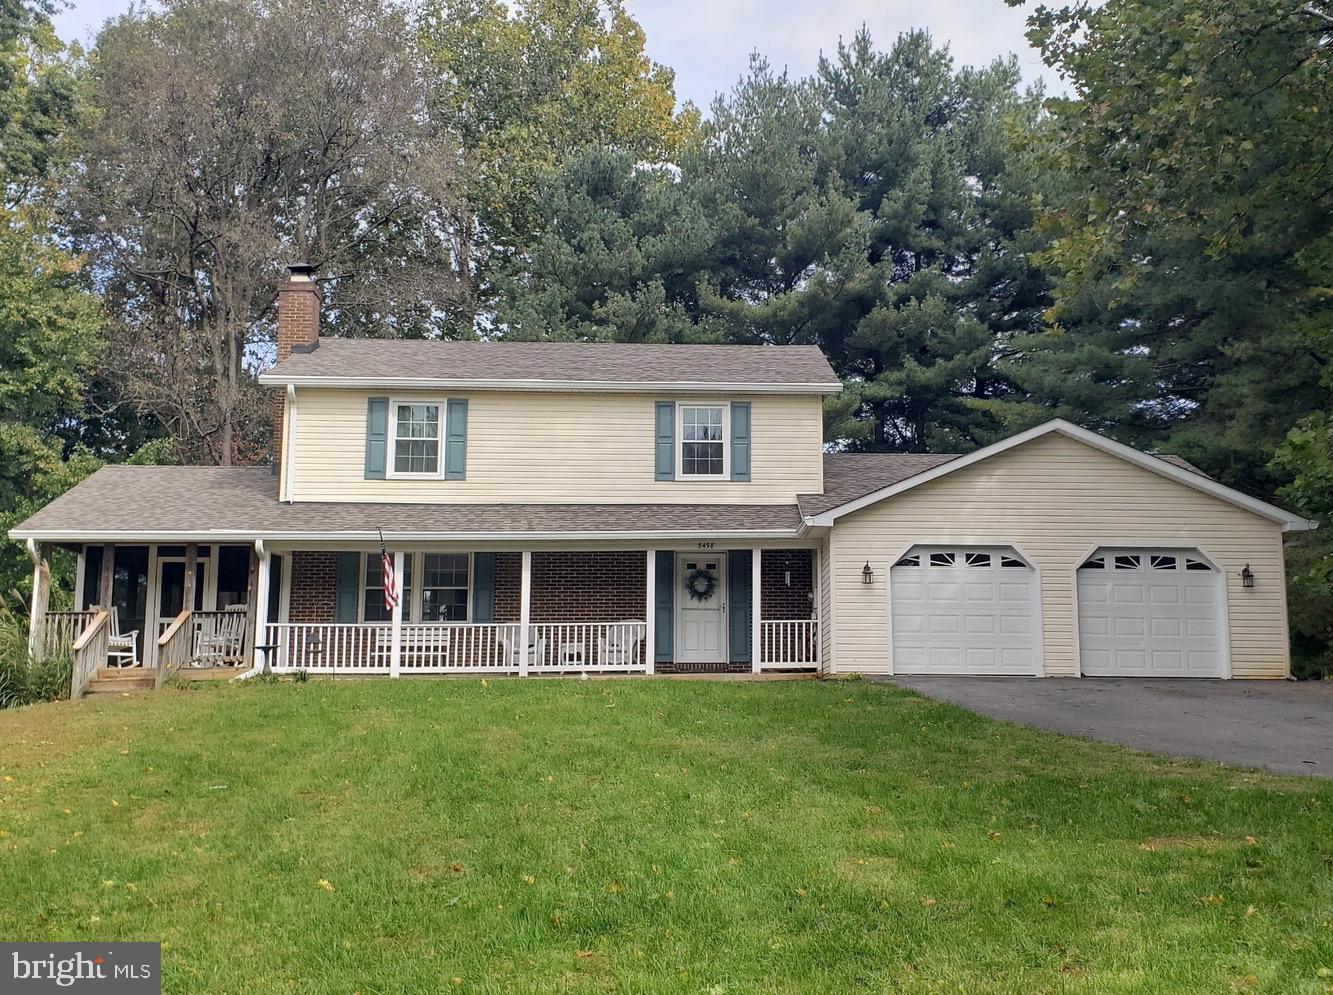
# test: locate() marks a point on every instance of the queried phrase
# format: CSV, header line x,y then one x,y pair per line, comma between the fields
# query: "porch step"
x,y
114,680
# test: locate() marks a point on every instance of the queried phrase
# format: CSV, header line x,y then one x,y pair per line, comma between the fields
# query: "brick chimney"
x,y
298,331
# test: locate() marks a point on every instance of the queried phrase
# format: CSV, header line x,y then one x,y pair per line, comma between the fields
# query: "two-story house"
x,y
578,508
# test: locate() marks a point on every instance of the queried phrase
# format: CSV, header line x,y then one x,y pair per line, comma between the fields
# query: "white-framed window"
x,y
416,438
703,452
373,608
444,587
444,594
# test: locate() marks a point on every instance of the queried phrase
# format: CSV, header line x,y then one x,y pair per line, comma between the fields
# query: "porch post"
x,y
756,608
650,611
191,568
396,639
261,604
41,594
104,584
525,613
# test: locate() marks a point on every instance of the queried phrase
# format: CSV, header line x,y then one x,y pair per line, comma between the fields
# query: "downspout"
x,y
36,557
258,664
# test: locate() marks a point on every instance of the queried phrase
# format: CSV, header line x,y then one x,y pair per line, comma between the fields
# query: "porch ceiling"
x,y
178,503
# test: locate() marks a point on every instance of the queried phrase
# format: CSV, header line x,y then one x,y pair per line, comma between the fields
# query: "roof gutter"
x,y
372,535
273,378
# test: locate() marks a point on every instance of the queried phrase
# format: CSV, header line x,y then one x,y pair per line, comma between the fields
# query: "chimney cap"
x,y
301,271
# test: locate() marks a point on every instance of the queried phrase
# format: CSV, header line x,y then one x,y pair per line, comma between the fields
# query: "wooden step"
x,y
114,680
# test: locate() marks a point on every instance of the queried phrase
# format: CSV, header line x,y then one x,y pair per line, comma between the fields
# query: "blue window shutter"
x,y
664,447
455,441
348,588
738,605
740,440
377,436
483,587
664,614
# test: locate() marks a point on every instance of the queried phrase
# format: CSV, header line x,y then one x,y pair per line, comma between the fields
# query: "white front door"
x,y
701,608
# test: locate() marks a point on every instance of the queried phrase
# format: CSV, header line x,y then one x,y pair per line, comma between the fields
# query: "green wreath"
x,y
701,584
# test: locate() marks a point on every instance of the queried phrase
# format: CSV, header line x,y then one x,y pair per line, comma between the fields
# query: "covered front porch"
x,y
541,611
145,611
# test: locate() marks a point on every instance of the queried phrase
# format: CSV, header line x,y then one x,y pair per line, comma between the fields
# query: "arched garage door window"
x,y
1150,613
964,610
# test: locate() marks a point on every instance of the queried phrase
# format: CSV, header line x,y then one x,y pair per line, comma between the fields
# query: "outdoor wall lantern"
x,y
1247,577
867,575
786,578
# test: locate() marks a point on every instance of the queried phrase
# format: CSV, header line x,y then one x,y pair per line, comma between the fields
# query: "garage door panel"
x,y
1155,619
963,615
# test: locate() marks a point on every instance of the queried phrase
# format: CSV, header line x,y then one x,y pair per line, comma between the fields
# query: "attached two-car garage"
x,y
975,611
1057,553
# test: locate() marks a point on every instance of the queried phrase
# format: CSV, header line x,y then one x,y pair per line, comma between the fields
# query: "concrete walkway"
x,y
1279,725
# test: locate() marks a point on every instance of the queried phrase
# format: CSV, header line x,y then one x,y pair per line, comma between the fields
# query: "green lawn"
x,y
648,836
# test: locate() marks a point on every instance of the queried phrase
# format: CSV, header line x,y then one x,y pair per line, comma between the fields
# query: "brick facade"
x,y
589,586
314,586
508,587
778,600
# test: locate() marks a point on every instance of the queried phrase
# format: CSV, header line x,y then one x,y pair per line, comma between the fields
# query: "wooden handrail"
x,y
99,620
176,623
88,652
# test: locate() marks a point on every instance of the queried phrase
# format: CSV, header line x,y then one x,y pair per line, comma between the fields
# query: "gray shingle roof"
x,y
242,502
616,365
848,476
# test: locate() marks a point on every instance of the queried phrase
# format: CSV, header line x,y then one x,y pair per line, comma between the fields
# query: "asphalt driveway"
x,y
1278,725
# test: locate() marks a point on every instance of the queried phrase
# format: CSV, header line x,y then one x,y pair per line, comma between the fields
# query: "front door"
x,y
701,608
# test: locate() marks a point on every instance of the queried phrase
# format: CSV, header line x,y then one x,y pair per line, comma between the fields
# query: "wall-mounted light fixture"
x,y
1247,577
786,578
867,575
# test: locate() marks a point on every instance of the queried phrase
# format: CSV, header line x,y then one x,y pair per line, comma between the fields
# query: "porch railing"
x,y
587,646
88,652
60,630
789,645
456,647
175,646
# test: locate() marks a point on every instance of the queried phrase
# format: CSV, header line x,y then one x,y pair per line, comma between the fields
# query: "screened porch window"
x,y
416,440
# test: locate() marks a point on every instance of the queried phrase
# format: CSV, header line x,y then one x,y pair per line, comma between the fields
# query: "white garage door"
x,y
1150,613
964,611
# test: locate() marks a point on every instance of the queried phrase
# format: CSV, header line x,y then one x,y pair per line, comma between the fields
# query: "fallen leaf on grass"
x,y
929,903
323,885
613,887
1213,899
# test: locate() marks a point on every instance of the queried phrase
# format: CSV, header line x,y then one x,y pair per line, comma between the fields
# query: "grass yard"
x,y
648,837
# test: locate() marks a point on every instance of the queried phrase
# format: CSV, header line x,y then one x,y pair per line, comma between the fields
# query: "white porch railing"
x,y
789,645
456,647
588,646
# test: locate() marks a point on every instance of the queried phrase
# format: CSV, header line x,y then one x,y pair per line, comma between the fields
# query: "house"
x,y
573,507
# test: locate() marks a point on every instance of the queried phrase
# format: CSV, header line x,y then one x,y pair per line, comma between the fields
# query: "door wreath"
x,y
700,584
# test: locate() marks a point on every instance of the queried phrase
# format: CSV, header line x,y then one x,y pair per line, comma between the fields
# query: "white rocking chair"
x,y
620,647
220,640
122,647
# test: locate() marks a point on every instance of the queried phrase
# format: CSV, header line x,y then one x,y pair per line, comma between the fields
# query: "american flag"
x,y
390,588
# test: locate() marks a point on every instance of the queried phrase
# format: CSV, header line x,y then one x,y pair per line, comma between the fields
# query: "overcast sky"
x,y
708,42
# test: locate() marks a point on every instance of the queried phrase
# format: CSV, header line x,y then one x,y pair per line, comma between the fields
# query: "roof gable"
x,y
1172,468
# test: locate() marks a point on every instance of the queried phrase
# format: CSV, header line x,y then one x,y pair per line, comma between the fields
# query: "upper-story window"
x,y
702,450
415,440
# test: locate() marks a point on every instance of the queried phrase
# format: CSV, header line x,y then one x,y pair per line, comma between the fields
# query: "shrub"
x,y
22,681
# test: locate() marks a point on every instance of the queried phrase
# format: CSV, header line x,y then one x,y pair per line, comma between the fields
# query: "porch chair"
x,y
620,647
221,641
121,646
536,651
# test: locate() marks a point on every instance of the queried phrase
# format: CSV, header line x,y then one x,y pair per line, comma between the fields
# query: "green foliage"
x,y
522,89
23,682
879,209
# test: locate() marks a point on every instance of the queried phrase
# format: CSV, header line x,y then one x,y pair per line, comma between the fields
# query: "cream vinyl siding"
x,y
1057,500
825,609
556,448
